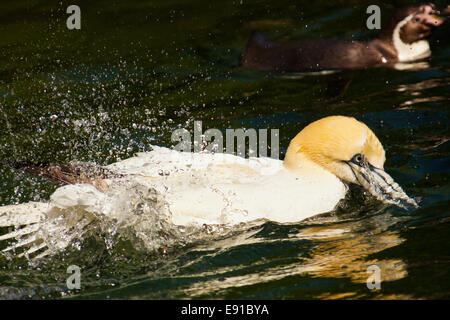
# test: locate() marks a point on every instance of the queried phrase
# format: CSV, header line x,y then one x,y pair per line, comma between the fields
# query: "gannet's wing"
x,y
158,162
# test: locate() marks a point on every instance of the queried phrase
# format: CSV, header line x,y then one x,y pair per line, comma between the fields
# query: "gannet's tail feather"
x,y
25,226
13,215
40,228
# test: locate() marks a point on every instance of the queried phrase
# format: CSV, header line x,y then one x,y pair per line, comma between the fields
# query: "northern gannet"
x,y
202,188
403,39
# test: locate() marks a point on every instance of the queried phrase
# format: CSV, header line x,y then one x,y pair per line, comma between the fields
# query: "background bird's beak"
x,y
381,185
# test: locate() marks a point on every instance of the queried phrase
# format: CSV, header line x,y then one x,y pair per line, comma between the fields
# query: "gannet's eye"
x,y
357,159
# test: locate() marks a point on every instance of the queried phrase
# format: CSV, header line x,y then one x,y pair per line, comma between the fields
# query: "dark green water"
x,y
137,70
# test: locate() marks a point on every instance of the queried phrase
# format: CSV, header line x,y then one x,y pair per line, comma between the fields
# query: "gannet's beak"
x,y
380,184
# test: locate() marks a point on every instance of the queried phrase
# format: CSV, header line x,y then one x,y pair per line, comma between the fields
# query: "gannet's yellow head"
x,y
347,148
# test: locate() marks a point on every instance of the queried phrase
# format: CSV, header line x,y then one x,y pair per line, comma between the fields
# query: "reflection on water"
x,y
348,256
423,85
416,101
